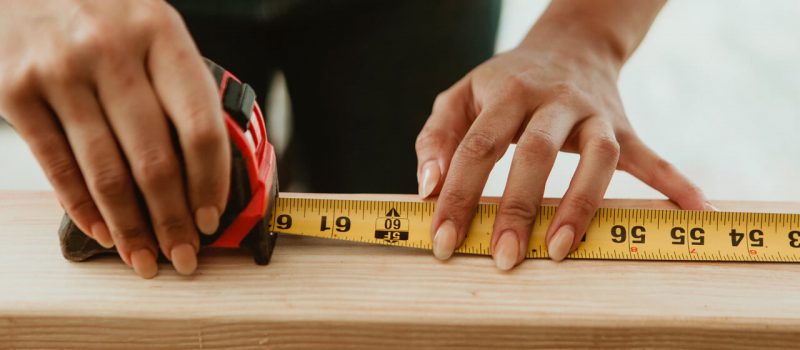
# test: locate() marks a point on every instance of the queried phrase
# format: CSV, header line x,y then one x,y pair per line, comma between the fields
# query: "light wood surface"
x,y
323,294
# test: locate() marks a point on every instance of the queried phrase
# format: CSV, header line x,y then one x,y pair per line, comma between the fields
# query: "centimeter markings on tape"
x,y
620,234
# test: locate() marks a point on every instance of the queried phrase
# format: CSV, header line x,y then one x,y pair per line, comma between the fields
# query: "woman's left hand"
x,y
545,97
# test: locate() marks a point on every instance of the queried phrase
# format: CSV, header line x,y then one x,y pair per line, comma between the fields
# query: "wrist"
x,y
578,40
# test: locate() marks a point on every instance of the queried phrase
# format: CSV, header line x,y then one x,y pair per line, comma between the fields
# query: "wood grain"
x,y
323,294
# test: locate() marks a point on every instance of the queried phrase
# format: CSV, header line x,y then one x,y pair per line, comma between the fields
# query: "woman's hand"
x,y
556,91
92,86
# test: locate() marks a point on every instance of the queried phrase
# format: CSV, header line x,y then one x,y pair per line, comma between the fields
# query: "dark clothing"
x,y
362,76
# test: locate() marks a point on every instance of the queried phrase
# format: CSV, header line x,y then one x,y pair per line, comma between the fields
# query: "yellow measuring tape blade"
x,y
622,234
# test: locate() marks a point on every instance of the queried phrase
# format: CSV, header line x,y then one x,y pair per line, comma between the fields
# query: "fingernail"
x,y
710,207
207,220
561,243
506,252
430,178
444,241
102,236
144,263
184,258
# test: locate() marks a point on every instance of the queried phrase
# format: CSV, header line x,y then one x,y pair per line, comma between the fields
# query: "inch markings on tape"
x,y
618,234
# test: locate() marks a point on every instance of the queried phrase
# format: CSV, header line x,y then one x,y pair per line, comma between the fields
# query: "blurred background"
x,y
714,88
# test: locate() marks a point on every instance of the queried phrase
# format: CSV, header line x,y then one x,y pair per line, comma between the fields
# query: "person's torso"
x,y
260,10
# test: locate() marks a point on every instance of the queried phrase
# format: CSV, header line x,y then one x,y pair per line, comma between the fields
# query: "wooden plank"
x,y
319,292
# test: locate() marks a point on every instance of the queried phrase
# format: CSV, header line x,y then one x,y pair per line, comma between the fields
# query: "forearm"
x,y
611,29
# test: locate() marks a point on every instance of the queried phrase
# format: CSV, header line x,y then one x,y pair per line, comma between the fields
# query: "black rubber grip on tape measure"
x,y
216,71
238,100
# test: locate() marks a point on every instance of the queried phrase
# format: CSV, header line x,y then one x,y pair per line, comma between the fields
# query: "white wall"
x,y
715,88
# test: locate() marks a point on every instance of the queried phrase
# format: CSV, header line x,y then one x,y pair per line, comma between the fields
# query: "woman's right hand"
x,y
92,86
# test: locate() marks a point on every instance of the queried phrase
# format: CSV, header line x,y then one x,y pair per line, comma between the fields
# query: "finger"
x,y
189,96
599,155
142,130
106,174
534,156
646,165
439,138
36,124
482,146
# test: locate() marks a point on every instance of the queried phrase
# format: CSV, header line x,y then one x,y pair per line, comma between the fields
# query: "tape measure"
x,y
614,234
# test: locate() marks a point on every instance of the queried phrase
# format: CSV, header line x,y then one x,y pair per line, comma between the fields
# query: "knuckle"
x,y
154,168
199,129
169,15
110,183
456,199
565,91
606,147
127,79
431,140
80,208
426,140
18,83
652,174
96,36
61,68
582,205
173,226
536,142
662,166
71,60
518,83
130,233
444,101
152,16
204,136
479,145
518,209
62,172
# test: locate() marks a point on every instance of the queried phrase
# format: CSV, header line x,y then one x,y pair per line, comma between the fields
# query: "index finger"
x,y
190,98
482,146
